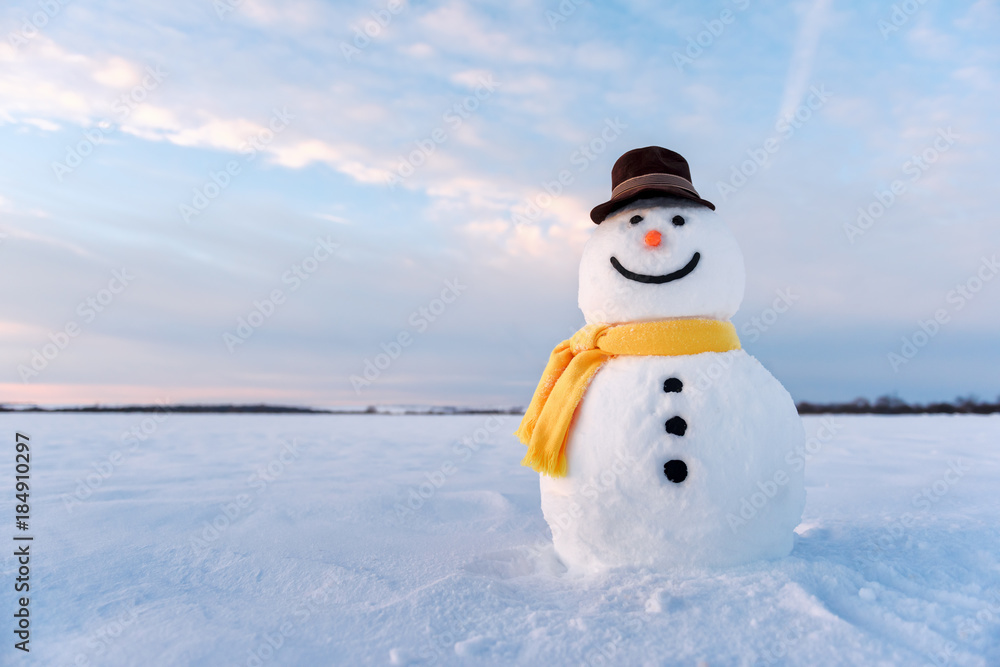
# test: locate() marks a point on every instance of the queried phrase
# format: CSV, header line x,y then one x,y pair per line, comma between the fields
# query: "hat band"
x,y
653,180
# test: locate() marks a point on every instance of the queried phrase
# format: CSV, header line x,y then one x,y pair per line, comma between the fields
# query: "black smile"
x,y
657,280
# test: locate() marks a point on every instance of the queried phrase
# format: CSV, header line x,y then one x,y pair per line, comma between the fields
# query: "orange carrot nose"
x,y
653,238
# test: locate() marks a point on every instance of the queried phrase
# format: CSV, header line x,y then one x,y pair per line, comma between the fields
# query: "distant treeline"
x,y
886,405
207,409
263,408
890,405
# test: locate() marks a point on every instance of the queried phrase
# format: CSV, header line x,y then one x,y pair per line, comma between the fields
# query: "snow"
x,y
897,559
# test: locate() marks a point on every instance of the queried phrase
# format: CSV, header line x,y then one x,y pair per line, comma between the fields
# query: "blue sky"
x,y
218,153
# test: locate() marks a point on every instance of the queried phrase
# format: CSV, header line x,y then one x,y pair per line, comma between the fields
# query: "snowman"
x,y
660,442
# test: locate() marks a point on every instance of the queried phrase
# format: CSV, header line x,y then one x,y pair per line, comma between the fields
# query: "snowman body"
x,y
733,425
674,460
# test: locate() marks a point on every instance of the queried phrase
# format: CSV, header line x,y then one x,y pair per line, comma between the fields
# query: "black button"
x,y
671,385
676,471
676,426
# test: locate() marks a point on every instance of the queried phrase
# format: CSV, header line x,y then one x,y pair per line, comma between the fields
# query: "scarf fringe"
x,y
553,466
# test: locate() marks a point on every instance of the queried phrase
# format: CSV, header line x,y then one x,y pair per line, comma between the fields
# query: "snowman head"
x,y
661,258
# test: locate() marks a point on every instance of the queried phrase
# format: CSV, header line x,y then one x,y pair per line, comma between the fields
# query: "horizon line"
x,y
881,405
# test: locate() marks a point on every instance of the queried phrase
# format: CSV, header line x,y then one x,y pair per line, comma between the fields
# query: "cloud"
x,y
50,82
471,78
42,124
304,153
10,208
52,241
21,332
418,50
117,73
294,13
927,41
803,54
457,28
976,76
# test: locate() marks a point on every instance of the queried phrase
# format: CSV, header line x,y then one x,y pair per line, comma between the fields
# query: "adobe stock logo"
x,y
454,117
380,20
264,309
915,167
421,320
957,298
786,126
94,136
531,210
88,310
34,24
714,29
203,195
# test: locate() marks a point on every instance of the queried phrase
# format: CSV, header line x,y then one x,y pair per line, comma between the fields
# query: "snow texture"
x,y
418,540
714,289
617,507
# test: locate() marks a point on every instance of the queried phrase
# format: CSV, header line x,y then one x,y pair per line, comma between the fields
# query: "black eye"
x,y
678,220
636,219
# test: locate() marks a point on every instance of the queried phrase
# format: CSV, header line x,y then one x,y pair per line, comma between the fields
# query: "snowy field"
x,y
355,540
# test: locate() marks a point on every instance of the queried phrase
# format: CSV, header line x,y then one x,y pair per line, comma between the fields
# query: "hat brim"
x,y
602,211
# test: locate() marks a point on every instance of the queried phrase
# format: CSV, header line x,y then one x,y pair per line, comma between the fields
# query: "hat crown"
x,y
648,172
649,160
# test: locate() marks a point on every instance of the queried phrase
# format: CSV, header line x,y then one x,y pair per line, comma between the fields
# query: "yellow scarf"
x,y
574,362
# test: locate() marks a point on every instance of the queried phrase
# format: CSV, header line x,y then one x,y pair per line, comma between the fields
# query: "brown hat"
x,y
648,172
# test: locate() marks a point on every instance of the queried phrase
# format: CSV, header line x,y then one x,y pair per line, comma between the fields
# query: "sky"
x,y
354,203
